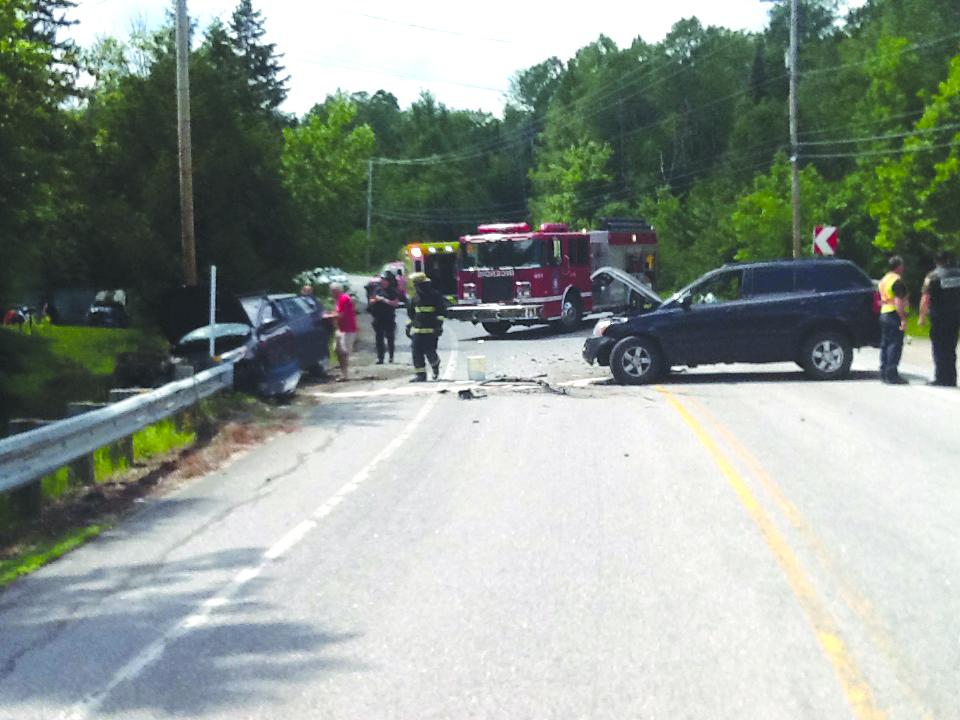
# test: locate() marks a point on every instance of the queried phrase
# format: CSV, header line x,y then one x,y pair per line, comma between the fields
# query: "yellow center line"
x,y
848,592
855,688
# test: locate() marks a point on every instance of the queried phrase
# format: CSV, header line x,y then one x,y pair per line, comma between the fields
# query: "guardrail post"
x,y
27,501
124,448
182,372
83,470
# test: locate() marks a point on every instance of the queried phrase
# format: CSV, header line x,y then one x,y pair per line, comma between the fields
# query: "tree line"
x,y
689,132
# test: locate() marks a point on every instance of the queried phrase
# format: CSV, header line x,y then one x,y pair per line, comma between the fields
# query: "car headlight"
x,y
603,325
469,292
523,290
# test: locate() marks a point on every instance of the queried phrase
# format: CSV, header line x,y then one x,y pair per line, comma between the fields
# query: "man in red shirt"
x,y
346,317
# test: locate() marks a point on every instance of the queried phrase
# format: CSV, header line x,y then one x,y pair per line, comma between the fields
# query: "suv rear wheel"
x,y
636,361
826,355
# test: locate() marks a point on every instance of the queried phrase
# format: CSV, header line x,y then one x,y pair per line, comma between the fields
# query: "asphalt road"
x,y
737,543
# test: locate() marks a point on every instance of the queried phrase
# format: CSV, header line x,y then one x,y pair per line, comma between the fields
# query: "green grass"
x,y
35,555
914,329
42,371
161,439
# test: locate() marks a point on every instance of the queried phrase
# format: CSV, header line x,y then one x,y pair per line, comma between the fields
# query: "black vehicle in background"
x,y
812,312
109,309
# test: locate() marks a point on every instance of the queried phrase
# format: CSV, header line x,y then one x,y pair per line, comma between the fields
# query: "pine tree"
x,y
260,60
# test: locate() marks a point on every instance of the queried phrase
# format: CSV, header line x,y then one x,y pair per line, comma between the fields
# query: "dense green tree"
x,y
37,74
323,169
259,59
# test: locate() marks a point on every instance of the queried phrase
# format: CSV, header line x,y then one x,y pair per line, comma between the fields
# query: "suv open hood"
x,y
630,281
188,308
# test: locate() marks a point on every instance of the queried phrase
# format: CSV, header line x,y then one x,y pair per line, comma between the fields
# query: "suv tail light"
x,y
877,302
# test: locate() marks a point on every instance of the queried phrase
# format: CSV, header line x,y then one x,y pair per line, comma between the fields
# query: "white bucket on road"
x,y
477,367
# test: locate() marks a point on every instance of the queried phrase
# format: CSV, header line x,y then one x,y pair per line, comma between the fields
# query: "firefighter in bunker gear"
x,y
426,310
940,300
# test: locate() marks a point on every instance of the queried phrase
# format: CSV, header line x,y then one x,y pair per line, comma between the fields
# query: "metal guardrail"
x,y
27,457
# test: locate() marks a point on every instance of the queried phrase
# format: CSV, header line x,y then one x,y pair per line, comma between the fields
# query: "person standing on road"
x,y
346,318
383,304
426,310
893,321
940,300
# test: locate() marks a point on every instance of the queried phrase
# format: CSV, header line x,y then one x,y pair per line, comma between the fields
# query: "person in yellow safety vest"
x,y
426,310
893,321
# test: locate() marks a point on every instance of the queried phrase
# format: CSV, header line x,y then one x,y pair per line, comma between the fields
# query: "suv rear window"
x,y
830,278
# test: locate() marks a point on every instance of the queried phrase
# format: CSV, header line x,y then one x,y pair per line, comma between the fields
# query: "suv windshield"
x,y
505,253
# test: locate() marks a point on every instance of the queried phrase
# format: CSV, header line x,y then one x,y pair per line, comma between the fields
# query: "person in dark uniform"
x,y
382,304
426,309
941,301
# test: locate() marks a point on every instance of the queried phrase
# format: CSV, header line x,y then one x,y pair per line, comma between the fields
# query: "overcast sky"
x,y
464,53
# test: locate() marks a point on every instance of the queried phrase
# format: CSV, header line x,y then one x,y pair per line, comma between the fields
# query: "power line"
x,y
894,151
899,51
604,91
325,62
864,123
877,138
425,28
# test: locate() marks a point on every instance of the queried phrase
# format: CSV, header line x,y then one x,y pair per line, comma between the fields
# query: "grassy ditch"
x,y
42,371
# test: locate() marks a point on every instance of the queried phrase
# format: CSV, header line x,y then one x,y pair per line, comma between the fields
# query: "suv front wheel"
x,y
636,361
826,355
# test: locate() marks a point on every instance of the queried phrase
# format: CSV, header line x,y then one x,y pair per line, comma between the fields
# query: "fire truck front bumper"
x,y
493,312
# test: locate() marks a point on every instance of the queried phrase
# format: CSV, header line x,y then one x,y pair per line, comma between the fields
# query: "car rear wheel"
x,y
636,361
827,355
497,328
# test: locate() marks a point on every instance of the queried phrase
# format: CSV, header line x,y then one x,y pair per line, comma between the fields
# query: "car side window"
x,y
771,281
722,288
268,313
292,309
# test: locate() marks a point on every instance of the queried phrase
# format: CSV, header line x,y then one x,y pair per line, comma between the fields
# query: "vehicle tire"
x,y
636,361
571,313
501,327
826,355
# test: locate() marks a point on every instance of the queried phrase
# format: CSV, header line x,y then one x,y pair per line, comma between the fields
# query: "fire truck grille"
x,y
497,289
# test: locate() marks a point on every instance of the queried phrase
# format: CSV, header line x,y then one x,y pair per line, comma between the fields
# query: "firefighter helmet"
x,y
419,277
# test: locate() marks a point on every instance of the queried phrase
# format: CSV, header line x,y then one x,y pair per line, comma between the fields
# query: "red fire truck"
x,y
512,275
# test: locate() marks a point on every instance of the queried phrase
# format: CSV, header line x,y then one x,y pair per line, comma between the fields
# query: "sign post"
x,y
213,308
825,240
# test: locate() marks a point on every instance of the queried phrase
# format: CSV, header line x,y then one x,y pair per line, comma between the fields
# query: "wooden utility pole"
x,y
188,240
369,210
794,133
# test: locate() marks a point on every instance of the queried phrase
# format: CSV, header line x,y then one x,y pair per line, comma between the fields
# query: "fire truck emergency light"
x,y
433,251
416,252
503,228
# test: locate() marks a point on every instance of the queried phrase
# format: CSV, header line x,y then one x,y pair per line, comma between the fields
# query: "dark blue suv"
x,y
812,312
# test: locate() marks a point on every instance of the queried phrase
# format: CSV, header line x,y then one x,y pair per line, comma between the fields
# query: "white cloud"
x,y
467,66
